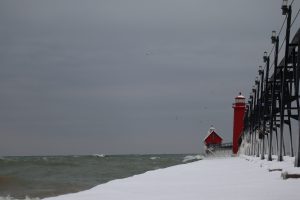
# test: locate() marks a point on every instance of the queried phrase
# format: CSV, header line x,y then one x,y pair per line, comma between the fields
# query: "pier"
x,y
272,120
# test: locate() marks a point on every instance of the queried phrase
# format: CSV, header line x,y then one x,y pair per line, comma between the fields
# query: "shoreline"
x,y
240,177
43,177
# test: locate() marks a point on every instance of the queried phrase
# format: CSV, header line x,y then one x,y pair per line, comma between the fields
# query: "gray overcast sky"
x,y
126,76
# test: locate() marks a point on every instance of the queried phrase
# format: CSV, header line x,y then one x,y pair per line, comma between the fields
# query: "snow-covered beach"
x,y
213,179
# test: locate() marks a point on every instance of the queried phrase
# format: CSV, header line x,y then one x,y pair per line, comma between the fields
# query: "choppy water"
x,y
44,176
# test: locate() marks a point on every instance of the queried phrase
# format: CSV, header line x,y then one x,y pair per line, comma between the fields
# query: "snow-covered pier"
x,y
216,178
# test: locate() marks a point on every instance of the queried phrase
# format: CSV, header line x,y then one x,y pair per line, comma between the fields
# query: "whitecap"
x,y
99,155
11,198
154,158
190,158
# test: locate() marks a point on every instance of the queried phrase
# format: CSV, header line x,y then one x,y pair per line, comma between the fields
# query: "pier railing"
x,y
221,146
224,149
273,107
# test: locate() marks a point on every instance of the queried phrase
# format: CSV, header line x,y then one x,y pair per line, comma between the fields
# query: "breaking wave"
x,y
154,158
99,155
191,158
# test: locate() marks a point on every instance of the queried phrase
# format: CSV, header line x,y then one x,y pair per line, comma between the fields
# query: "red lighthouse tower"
x,y
239,107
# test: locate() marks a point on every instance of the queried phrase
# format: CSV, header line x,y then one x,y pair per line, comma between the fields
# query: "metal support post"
x,y
283,77
273,97
297,157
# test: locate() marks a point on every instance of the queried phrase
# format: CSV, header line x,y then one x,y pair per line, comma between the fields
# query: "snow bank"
x,y
214,179
285,167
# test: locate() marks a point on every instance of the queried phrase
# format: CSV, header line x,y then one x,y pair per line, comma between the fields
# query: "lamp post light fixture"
x,y
265,56
250,98
256,81
260,70
273,37
284,7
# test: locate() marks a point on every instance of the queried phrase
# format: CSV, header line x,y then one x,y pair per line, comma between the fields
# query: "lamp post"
x,y
254,118
265,104
275,41
258,100
260,110
287,11
297,155
250,102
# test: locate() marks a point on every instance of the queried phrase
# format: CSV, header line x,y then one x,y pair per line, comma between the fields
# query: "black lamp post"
x,y
261,73
275,41
287,11
266,100
260,107
254,116
251,121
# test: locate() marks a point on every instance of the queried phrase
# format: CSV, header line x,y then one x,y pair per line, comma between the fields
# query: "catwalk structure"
x,y
272,112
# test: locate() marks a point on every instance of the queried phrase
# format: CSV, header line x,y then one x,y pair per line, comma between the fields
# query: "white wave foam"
x,y
192,158
99,155
154,158
11,198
